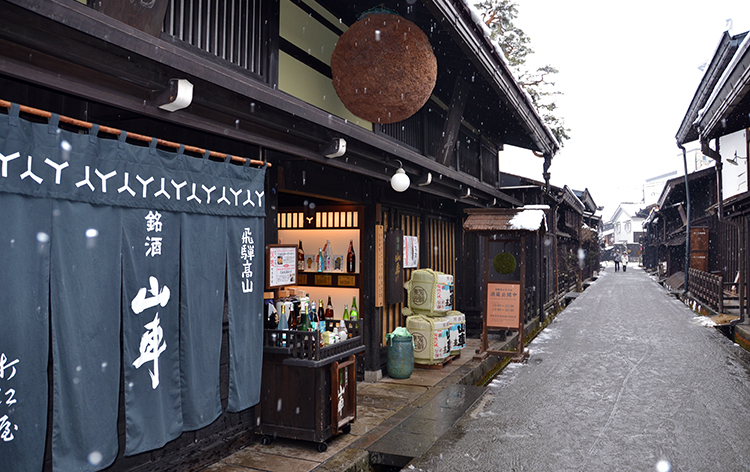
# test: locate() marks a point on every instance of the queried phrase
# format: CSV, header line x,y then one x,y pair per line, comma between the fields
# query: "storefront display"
x,y
312,329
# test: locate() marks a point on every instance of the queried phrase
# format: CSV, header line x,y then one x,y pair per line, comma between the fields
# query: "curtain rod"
x,y
138,137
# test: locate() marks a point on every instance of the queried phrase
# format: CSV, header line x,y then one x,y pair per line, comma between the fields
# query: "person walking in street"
x,y
624,261
617,261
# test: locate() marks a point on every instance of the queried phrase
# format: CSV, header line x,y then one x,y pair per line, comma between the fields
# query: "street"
x,y
626,378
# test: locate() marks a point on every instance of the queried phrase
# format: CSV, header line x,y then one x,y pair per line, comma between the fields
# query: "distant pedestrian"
x,y
625,261
618,258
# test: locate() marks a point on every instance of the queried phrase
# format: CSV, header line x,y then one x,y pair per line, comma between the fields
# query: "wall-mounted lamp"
x,y
733,160
178,95
336,148
400,181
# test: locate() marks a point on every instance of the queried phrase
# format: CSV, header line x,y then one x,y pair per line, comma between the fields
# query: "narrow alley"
x,y
626,378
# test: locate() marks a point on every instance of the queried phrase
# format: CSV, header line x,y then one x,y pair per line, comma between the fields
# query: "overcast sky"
x,y
628,71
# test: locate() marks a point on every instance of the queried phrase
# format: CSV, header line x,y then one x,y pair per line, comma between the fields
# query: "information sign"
x,y
503,305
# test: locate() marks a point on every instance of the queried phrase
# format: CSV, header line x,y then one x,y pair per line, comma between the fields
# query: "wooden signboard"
x,y
379,265
394,267
281,265
343,391
504,305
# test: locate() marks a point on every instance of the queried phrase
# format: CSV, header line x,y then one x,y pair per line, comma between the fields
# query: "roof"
x,y
722,56
494,219
677,182
586,198
628,209
725,110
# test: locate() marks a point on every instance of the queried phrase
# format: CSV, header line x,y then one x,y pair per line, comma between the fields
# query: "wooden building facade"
x,y
260,92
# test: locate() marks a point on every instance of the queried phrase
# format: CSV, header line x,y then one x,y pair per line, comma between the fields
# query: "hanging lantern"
x,y
383,68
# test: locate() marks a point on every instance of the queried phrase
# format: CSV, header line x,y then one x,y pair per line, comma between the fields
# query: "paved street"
x,y
627,378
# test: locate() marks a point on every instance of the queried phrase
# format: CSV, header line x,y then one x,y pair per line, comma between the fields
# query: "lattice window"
x,y
229,29
318,220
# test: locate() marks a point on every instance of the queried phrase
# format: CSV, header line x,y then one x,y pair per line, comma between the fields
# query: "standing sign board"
x,y
506,234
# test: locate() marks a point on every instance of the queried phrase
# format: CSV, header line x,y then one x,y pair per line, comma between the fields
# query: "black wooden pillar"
x,y
371,315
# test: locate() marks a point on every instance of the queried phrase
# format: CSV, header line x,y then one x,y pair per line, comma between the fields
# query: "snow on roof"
x,y
743,47
535,207
529,220
476,15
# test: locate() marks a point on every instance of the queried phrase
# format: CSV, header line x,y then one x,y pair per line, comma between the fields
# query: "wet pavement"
x,y
397,419
626,378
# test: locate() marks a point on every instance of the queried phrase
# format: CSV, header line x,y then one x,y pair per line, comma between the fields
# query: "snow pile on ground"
x,y
703,321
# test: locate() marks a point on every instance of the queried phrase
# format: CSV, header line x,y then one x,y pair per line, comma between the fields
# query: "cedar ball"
x,y
383,68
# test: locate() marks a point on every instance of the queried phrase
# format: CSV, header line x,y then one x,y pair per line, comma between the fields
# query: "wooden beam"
x,y
453,122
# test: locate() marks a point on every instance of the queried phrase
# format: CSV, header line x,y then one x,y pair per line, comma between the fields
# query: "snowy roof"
x,y
476,16
519,219
723,53
627,209
725,110
528,220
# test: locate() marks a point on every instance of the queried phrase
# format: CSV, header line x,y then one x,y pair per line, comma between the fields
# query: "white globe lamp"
x,y
400,181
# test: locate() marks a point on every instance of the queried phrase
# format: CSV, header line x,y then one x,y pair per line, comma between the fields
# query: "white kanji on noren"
x,y
151,348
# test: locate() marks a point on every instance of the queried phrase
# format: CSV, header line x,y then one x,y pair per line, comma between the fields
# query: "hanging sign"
x,y
281,262
411,252
394,273
379,263
503,305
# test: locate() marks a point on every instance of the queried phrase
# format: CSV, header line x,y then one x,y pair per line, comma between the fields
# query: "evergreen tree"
x,y
499,15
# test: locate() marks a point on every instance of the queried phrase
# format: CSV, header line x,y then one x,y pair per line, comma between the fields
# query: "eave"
x,y
726,110
722,56
457,18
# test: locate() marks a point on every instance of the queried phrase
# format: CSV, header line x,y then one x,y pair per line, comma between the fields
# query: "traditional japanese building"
x,y
220,125
717,120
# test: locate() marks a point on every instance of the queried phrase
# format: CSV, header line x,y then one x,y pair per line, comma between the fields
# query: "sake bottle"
x,y
313,317
305,324
321,316
283,324
353,313
319,260
346,312
300,257
329,309
351,260
328,257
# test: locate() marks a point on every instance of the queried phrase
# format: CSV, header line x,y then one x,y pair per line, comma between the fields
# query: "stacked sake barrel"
x,y
438,330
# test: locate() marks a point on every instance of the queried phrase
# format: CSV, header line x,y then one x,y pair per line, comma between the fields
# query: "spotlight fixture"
x,y
336,148
178,95
733,160
400,181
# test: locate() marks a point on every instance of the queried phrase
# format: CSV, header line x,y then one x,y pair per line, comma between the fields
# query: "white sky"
x,y
628,71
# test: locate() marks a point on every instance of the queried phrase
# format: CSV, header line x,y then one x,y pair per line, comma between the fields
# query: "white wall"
x,y
734,177
625,227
